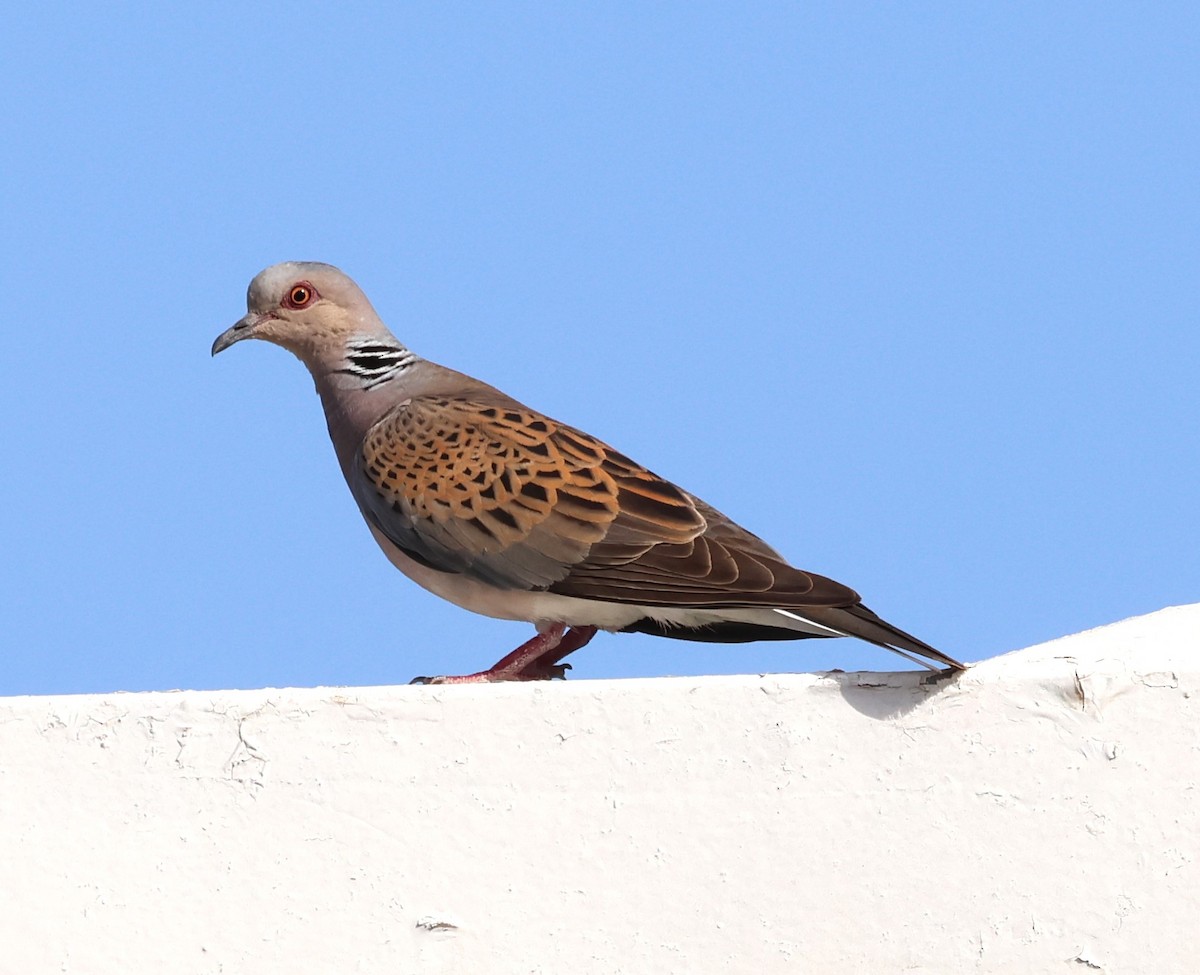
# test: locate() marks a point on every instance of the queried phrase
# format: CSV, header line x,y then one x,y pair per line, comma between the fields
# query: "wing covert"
x,y
507,495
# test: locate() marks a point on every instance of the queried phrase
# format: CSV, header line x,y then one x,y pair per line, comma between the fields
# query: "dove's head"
x,y
310,309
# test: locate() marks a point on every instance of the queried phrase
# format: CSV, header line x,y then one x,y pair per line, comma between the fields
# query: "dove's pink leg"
x,y
535,659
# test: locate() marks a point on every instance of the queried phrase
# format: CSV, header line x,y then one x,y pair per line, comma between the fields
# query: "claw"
x,y
545,672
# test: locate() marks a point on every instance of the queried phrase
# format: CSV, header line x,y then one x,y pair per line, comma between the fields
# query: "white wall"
x,y
1042,814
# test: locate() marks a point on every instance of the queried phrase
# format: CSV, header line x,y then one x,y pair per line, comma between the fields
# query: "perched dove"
x,y
511,514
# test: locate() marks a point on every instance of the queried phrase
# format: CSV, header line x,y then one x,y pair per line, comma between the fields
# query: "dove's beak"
x,y
243,329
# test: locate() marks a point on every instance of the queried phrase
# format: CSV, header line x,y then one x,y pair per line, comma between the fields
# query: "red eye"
x,y
300,295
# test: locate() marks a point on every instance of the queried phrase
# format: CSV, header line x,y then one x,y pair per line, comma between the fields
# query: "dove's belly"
x,y
516,604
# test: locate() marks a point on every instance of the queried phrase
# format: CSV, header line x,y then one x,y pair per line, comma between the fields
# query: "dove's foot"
x,y
536,659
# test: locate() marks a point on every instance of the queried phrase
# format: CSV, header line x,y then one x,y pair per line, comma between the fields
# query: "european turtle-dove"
x,y
511,514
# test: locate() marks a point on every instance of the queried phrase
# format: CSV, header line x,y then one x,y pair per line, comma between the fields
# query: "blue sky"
x,y
909,290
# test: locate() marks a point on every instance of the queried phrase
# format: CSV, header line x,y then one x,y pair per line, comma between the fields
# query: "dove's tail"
x,y
744,624
860,622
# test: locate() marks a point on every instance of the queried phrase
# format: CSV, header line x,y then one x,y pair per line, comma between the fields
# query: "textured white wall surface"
x,y
1039,814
